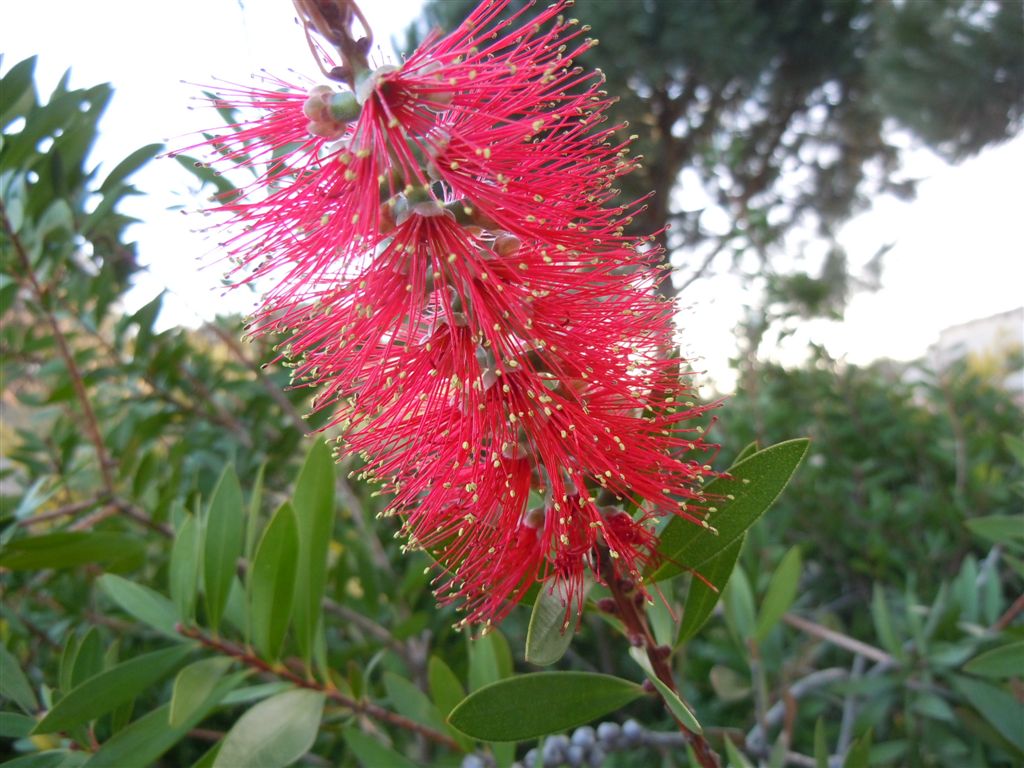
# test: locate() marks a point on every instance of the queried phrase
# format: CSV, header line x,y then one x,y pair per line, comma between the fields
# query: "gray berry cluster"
x,y
585,748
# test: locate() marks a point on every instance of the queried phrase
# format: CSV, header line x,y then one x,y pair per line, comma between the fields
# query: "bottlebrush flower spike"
x,y
452,275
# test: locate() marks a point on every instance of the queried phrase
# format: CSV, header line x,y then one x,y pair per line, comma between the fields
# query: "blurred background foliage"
x,y
874,615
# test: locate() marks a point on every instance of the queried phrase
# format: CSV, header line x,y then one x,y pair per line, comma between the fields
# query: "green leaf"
x,y
183,571
550,632
208,758
252,524
111,688
490,660
820,745
252,693
1002,662
145,604
222,544
129,165
678,707
313,503
272,582
17,92
736,758
859,755
67,663
274,733
935,707
371,753
68,549
193,686
88,659
445,688
749,450
739,604
702,599
446,692
15,726
528,706
780,594
754,484
883,623
411,702
54,758
1001,529
999,707
142,742
13,683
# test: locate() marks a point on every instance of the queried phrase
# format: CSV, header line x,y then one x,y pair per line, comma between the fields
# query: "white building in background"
x,y
987,337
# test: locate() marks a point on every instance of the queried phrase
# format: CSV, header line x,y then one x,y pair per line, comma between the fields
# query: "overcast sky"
x,y
959,250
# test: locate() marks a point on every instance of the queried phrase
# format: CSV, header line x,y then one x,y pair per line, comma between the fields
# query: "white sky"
x,y
959,250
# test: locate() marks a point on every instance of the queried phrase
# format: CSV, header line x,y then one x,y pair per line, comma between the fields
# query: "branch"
x,y
91,425
838,638
1011,613
362,707
627,608
756,739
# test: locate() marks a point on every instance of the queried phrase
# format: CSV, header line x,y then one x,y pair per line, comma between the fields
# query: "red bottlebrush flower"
x,y
452,276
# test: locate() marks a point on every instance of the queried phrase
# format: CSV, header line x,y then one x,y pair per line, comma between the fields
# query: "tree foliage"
x,y
181,588
765,125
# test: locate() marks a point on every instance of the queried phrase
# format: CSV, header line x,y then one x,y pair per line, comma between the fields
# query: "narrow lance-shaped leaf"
x,y
490,660
739,604
1002,662
370,752
410,701
274,733
314,512
528,706
89,658
445,688
143,741
252,526
109,689
272,582
67,549
13,683
739,501
550,633
193,686
780,594
998,706
222,544
145,604
129,165
705,592
675,704
183,571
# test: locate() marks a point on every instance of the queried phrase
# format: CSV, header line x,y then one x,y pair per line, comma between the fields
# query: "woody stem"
x,y
360,706
629,610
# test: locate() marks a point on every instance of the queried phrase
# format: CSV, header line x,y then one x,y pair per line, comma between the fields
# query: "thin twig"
x,y
838,638
65,511
362,707
628,601
1011,613
757,738
91,425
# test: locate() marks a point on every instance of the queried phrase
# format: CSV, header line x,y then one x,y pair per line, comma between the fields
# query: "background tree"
x,y
766,124
169,602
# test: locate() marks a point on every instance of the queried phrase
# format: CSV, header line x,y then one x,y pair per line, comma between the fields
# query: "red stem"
x,y
628,608
243,655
